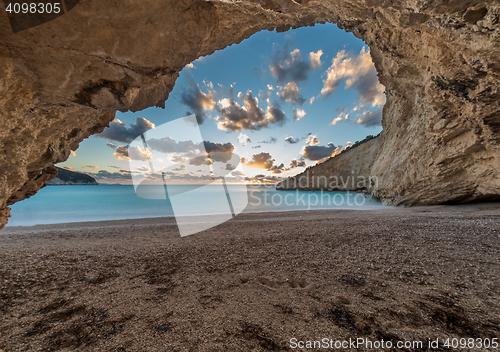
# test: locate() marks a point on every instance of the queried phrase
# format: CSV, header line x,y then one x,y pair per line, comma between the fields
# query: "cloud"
x,y
289,66
111,145
264,161
371,118
291,140
313,151
298,114
312,140
277,169
221,152
169,145
291,94
270,140
134,153
200,160
176,158
118,130
315,58
243,139
72,153
312,100
235,117
198,152
297,163
198,101
69,168
180,168
358,73
190,65
90,166
343,116
263,179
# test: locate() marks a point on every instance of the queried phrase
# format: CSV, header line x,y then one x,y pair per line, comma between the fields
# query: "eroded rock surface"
x,y
63,81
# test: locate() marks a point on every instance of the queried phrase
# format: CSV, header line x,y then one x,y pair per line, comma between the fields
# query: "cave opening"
x,y
282,101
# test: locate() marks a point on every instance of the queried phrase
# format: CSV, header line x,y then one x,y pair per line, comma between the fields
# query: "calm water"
x,y
62,204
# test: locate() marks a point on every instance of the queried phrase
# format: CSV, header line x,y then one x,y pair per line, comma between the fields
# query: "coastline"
x,y
254,282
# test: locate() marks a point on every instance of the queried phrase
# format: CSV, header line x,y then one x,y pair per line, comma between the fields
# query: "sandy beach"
x,y
254,283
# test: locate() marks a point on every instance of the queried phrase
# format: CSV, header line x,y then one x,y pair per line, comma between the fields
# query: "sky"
x,y
266,109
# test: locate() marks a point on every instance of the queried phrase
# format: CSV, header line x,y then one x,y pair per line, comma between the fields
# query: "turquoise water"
x,y
63,204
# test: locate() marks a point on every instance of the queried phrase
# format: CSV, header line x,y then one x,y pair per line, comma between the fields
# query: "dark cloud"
x,y
289,66
235,117
111,145
198,101
118,130
297,163
277,169
291,94
222,152
200,160
135,153
313,151
371,118
270,140
291,140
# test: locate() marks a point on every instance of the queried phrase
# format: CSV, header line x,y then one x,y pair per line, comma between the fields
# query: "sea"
x,y
66,204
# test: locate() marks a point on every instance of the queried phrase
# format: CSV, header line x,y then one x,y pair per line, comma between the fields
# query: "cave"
x,y
63,81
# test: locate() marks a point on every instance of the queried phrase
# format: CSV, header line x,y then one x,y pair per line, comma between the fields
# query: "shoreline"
x,y
254,282
483,208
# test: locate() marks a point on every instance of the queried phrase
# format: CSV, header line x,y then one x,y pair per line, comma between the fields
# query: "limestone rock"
x,y
62,81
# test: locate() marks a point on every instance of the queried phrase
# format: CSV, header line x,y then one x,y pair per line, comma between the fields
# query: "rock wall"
x,y
63,81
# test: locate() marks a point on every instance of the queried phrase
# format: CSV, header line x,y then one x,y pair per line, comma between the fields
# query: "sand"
x,y
254,283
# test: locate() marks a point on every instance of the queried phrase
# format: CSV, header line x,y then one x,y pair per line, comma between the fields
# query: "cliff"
x,y
63,81
66,177
348,171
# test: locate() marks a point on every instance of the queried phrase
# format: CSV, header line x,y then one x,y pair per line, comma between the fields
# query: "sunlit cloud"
x,y
291,94
315,58
298,114
197,100
135,153
243,139
235,117
358,73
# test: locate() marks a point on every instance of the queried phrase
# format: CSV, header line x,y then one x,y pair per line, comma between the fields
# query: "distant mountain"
x,y
66,177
